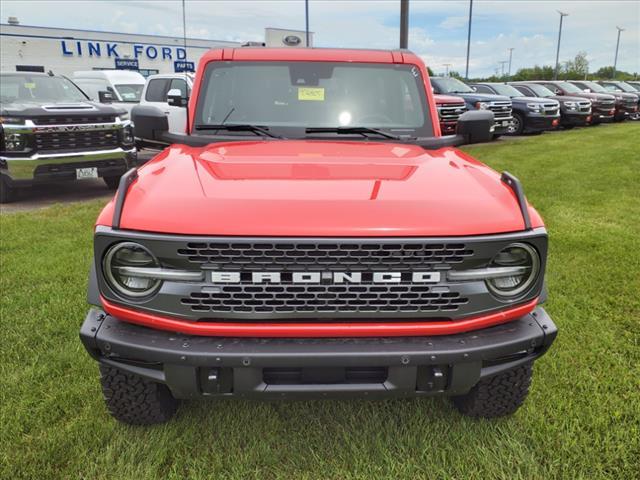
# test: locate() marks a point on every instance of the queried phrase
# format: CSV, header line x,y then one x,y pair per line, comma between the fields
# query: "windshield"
x,y
594,87
38,88
539,90
292,96
569,87
451,85
625,87
506,90
634,85
130,93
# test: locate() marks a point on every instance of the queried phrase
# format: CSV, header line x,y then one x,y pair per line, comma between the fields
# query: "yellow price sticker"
x,y
311,93
30,86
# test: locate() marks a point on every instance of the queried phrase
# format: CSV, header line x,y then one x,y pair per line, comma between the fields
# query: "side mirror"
x,y
476,126
105,97
475,89
175,98
150,122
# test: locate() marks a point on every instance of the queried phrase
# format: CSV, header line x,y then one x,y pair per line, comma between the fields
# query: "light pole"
x,y
615,61
404,23
510,57
446,66
306,21
466,70
562,15
502,64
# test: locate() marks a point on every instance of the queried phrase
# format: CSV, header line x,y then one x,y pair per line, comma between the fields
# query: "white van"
x,y
156,91
125,86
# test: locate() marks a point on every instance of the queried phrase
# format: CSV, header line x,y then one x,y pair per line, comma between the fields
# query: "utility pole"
x,y
446,66
502,64
184,43
404,23
562,15
306,21
466,70
510,57
615,61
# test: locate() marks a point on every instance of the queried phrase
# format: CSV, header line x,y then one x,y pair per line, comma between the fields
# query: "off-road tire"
x,y
112,182
135,400
7,193
497,396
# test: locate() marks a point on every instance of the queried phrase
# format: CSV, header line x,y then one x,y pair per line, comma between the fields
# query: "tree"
x,y
575,69
430,72
607,72
536,72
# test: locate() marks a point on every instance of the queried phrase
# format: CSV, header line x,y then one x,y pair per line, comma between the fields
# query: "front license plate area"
x,y
90,172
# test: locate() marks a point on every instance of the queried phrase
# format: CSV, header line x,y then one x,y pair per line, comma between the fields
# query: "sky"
x,y
438,29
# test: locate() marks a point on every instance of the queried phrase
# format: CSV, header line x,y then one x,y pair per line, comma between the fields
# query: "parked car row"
x,y
537,106
55,128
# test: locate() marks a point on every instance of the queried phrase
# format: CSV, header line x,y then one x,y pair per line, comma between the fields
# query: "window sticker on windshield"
x,y
311,93
30,86
415,72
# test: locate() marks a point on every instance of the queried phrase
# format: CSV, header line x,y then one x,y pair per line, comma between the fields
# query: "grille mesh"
x,y
323,256
360,298
64,120
89,140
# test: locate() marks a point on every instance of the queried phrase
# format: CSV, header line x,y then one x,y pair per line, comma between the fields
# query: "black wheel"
x,y
7,193
517,125
112,182
496,136
497,396
135,400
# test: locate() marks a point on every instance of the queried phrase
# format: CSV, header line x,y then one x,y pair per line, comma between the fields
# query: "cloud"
x,y
437,28
454,23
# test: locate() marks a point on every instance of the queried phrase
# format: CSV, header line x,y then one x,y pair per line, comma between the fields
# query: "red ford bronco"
x,y
313,234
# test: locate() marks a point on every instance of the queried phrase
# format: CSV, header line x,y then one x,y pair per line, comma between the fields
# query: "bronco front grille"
x,y
362,298
324,256
293,279
77,141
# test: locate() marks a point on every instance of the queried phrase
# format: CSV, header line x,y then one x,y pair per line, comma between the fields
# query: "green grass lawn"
x,y
582,418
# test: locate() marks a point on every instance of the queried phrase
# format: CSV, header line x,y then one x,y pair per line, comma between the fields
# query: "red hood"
x,y
447,99
318,188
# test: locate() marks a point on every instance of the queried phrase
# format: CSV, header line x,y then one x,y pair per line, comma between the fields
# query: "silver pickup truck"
x,y
50,131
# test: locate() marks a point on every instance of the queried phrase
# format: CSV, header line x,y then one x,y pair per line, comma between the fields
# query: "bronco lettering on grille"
x,y
325,277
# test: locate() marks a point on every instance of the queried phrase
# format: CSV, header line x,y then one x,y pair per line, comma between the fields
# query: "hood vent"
x,y
67,107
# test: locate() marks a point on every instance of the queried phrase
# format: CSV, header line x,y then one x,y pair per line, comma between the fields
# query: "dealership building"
x,y
64,51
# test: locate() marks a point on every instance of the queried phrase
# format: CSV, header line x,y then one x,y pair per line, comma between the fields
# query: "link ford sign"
x,y
79,48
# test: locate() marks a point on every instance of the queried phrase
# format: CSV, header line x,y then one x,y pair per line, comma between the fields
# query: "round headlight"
x,y
130,254
515,255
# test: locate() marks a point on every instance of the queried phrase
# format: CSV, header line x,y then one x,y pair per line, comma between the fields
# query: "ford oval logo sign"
x,y
292,40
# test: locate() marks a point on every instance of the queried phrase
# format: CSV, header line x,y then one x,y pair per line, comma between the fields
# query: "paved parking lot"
x,y
63,192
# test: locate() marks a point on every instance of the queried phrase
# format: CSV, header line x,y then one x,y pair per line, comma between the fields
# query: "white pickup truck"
x,y
156,91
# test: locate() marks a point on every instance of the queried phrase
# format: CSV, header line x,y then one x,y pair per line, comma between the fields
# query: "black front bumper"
x,y
577,119
193,366
539,123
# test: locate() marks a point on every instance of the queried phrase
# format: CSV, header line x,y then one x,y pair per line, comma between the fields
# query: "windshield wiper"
x,y
349,130
261,131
